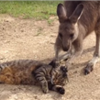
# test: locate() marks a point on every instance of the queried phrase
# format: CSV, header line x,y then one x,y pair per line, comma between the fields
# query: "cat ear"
x,y
53,63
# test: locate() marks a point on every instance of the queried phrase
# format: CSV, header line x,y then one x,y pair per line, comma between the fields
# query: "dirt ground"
x,y
31,39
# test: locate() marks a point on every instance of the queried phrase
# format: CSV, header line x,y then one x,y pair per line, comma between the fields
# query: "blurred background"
x,y
29,9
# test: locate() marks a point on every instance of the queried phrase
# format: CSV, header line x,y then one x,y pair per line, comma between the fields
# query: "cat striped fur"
x,y
30,72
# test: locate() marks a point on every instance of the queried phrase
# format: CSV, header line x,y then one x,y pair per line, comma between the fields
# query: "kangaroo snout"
x,y
65,44
65,48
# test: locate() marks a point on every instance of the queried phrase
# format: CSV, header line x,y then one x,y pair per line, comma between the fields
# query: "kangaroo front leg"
x,y
95,59
62,57
77,51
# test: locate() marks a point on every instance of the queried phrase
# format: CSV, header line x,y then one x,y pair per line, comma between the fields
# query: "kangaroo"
x,y
77,20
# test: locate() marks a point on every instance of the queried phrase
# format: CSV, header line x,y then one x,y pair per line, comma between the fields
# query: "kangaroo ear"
x,y
77,13
61,12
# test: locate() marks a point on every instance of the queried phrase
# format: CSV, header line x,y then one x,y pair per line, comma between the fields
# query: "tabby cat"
x,y
29,72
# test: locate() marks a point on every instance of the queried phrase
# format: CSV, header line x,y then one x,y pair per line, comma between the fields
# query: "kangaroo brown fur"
x,y
77,20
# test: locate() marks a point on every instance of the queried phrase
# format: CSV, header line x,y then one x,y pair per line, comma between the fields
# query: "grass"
x,y
29,9
50,21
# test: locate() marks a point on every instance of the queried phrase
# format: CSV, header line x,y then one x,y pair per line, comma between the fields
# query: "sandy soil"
x,y
31,39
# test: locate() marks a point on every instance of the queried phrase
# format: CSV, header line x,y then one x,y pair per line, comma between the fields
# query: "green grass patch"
x,y
29,9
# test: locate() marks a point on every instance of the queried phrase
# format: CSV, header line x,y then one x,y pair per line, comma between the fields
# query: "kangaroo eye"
x,y
60,35
71,36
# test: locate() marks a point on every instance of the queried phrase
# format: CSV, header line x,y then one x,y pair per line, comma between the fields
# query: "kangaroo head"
x,y
68,28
